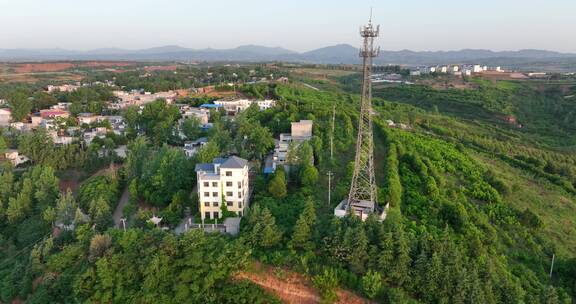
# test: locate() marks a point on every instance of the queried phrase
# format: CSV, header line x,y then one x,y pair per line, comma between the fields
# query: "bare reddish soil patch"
x,y
62,66
106,64
293,288
43,67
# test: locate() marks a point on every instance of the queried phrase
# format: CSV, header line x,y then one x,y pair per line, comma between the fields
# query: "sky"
x,y
300,25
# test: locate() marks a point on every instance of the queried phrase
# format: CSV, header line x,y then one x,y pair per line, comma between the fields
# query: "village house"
x,y
53,113
202,114
192,147
15,158
233,107
139,98
117,123
224,181
87,118
300,131
62,88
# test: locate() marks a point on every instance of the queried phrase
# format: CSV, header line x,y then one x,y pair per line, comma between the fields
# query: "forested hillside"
x,y
478,206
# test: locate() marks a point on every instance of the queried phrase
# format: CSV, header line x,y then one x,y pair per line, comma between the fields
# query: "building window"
x,y
214,184
215,194
206,184
228,173
206,204
206,194
240,205
207,215
216,214
229,204
239,185
215,204
228,184
239,194
229,193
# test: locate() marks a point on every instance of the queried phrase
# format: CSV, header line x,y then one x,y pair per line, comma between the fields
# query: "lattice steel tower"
x,y
362,196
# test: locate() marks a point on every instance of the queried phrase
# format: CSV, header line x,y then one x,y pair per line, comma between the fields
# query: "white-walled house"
x,y
236,106
87,118
300,131
225,180
192,147
202,114
15,158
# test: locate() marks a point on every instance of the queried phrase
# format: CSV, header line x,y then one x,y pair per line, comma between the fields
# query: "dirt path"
x,y
293,288
118,212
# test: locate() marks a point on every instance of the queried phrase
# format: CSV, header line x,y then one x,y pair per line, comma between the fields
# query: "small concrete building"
x,y
5,117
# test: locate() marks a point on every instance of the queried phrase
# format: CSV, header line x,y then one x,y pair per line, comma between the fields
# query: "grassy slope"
x,y
556,209
541,133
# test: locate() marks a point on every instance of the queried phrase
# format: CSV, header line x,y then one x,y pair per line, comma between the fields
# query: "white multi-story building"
x,y
239,105
300,131
224,181
476,68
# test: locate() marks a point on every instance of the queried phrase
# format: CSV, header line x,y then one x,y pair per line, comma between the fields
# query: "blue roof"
x,y
268,170
204,167
210,106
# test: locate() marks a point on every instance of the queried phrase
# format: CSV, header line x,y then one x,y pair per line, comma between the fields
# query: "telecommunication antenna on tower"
x,y
362,195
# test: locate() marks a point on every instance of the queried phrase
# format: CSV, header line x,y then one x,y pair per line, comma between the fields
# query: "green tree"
x,y
137,156
166,174
21,106
100,214
46,186
302,235
21,206
253,140
371,284
277,185
208,152
305,154
268,233
309,176
326,283
66,208
191,128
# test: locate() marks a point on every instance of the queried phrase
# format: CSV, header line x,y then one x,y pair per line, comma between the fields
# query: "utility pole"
x,y
332,134
123,221
329,186
552,265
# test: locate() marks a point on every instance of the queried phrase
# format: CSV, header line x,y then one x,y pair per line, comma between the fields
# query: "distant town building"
x,y
62,88
224,181
139,98
87,118
51,114
476,68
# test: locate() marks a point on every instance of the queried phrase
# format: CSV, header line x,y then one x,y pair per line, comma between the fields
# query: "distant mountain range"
x,y
337,54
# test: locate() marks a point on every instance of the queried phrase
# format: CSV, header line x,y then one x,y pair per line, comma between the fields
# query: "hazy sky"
x,y
295,24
